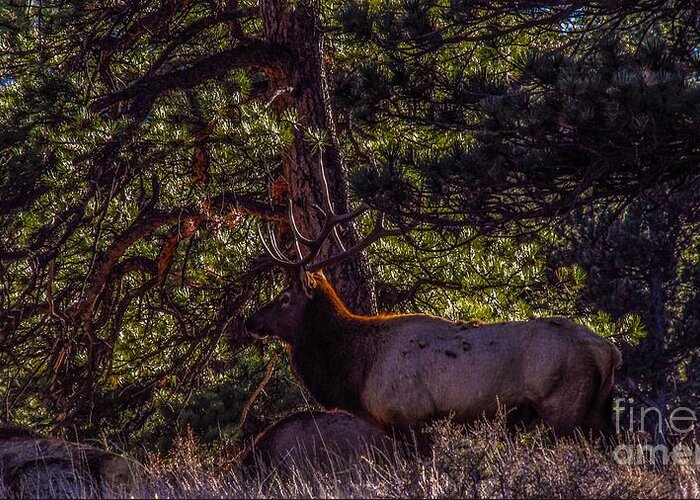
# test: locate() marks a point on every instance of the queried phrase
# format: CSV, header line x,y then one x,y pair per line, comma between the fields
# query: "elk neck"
x,y
335,350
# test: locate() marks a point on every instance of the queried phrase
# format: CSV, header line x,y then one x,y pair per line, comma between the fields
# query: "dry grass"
x,y
484,461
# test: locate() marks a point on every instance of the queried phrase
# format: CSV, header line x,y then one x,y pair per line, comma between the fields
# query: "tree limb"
x,y
254,54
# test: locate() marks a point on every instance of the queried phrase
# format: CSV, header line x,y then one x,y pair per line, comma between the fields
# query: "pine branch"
x,y
254,54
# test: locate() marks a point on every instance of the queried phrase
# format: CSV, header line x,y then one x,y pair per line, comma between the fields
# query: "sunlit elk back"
x,y
400,371
317,438
35,466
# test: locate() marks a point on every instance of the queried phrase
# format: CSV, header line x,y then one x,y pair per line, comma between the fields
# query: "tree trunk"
x,y
303,86
656,343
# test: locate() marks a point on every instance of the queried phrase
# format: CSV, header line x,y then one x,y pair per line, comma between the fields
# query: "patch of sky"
x,y
6,81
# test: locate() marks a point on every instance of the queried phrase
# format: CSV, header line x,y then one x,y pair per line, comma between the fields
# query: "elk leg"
x,y
567,407
522,417
600,418
599,422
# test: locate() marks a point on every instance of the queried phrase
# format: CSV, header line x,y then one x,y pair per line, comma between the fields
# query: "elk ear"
x,y
308,282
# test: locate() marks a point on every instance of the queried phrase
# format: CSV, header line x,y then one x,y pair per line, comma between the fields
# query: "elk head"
x,y
283,316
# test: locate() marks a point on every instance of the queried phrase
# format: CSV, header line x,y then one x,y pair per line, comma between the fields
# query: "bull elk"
x,y
403,370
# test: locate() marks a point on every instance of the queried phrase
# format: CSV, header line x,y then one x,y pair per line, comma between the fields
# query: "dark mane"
x,y
335,349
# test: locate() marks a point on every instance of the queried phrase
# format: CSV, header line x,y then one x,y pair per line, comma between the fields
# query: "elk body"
x,y
316,437
32,465
401,371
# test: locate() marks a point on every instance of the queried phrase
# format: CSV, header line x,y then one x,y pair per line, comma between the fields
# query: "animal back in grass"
x,y
318,438
32,465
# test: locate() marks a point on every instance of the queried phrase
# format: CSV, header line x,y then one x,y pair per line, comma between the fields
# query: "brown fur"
x,y
402,370
316,437
35,466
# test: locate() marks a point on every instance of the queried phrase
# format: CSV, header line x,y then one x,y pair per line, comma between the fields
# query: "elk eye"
x,y
284,300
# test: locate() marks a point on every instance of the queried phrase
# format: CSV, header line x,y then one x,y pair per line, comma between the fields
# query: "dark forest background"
x,y
526,159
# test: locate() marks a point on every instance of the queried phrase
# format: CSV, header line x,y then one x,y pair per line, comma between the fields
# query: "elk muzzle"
x,y
254,328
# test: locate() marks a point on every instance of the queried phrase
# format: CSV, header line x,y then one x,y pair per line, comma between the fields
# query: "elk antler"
x,y
329,228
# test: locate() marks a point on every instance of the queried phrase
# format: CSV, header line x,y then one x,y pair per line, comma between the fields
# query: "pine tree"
x,y
143,143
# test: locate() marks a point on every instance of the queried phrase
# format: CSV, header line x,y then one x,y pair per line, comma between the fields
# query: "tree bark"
x,y
298,30
656,343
